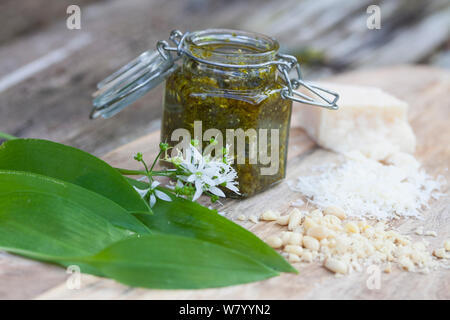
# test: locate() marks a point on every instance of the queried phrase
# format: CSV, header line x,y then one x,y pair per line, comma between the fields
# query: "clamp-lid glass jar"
x,y
232,86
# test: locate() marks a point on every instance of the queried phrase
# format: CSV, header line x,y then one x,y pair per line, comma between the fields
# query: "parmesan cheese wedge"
x,y
369,120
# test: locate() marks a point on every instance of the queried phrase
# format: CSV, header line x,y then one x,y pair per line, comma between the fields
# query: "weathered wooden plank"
x,y
22,278
55,102
28,16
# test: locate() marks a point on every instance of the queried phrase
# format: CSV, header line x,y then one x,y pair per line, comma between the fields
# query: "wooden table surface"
x,y
426,89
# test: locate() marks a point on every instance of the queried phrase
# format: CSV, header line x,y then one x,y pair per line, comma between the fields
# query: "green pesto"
x,y
225,98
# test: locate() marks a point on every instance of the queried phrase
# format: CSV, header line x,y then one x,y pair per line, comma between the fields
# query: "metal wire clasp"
x,y
290,91
164,48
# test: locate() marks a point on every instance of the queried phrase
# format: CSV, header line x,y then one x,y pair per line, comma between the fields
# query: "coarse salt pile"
x,y
345,246
395,187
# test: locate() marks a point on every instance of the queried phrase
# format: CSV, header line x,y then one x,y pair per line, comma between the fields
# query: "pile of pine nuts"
x,y
344,246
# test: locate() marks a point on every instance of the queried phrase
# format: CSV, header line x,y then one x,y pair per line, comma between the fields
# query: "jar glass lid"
x,y
130,82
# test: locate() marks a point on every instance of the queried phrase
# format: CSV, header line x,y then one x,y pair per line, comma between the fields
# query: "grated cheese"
x,y
367,187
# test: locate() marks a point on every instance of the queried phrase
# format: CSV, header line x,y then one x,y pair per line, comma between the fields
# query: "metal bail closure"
x,y
289,92
131,82
316,90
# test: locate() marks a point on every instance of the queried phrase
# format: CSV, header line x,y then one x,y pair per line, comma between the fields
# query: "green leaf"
x,y
136,183
13,181
52,228
54,221
189,219
71,165
173,262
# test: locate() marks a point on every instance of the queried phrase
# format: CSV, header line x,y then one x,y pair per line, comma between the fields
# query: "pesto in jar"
x,y
232,98
233,83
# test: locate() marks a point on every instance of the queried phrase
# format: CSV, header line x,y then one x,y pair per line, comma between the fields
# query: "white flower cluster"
x,y
205,173
196,174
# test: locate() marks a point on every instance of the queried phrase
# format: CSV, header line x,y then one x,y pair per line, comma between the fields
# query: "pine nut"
x,y
241,217
335,211
333,220
293,258
440,253
332,243
336,266
299,230
309,223
419,231
430,234
311,243
331,234
283,220
324,243
307,256
294,219
270,215
286,236
402,240
253,219
318,232
274,241
295,239
294,249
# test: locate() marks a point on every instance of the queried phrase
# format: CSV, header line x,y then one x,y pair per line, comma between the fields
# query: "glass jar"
x,y
226,98
232,86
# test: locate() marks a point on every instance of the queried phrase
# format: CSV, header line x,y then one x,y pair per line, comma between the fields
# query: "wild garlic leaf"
x,y
172,262
57,228
186,218
53,228
72,165
18,181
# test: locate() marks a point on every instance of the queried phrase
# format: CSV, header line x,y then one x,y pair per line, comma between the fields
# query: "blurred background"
x,y
48,72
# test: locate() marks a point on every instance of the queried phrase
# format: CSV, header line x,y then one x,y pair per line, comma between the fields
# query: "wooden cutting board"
x,y
425,89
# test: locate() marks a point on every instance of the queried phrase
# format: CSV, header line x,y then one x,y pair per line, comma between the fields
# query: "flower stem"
x,y
156,159
7,136
143,172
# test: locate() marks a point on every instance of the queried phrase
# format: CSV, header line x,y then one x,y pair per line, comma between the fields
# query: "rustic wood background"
x,y
47,72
